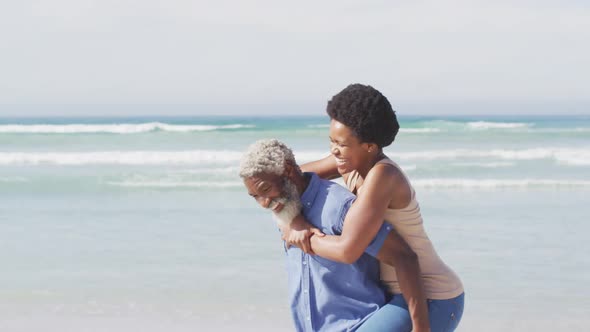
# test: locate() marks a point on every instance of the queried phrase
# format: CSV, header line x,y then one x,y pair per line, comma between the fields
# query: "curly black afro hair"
x,y
366,112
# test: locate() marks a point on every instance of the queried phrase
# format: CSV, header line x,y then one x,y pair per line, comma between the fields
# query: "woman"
x,y
362,124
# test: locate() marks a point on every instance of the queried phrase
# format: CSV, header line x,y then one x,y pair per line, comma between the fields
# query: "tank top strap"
x,y
351,181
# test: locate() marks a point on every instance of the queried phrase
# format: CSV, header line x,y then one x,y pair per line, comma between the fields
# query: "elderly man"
x,y
324,295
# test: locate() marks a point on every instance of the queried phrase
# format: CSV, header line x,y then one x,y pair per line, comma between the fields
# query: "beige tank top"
x,y
440,282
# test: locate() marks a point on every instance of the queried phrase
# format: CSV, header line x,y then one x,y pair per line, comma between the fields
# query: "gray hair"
x,y
267,156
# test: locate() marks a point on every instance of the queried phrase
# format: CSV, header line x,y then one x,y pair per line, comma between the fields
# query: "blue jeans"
x,y
444,316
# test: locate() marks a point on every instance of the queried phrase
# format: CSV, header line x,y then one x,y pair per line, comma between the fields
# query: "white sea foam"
x,y
482,125
307,156
573,157
419,130
497,183
485,165
565,156
579,156
453,126
560,130
15,179
124,128
408,168
444,123
120,157
177,184
212,170
433,183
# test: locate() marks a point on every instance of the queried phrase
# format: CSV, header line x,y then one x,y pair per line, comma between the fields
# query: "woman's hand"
x,y
298,233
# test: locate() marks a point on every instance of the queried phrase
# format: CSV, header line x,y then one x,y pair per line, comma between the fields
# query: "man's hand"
x,y
298,233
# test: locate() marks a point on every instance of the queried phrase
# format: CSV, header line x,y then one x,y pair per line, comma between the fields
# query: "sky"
x,y
191,57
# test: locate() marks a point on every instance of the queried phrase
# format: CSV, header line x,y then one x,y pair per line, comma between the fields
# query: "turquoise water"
x,y
118,224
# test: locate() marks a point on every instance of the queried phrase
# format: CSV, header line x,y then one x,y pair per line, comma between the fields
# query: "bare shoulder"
x,y
394,183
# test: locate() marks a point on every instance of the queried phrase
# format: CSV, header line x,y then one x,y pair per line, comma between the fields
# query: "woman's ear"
x,y
372,147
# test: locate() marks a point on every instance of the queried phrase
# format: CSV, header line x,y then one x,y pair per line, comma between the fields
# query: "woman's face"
x,y
347,149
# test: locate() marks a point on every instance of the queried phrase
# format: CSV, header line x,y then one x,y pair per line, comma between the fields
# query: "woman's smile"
x,y
340,161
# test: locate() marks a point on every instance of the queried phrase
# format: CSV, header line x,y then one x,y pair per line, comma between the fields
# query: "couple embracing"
x,y
358,258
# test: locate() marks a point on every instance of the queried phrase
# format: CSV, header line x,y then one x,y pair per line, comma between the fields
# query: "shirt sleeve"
x,y
377,241
343,211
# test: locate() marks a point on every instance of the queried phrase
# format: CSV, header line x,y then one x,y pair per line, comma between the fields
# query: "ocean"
x,y
142,224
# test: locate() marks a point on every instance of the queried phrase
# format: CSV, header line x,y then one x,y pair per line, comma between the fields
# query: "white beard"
x,y
291,205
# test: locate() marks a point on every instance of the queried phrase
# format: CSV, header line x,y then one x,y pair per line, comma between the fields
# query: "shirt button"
x,y
304,263
308,318
305,291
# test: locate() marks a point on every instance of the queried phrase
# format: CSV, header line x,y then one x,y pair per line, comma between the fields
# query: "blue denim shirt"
x,y
326,295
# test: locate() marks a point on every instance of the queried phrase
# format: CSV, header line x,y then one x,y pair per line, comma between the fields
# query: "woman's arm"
x,y
362,221
324,168
382,186
299,231
397,253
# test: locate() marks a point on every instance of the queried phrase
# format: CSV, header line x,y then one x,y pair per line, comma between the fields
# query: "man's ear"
x,y
289,169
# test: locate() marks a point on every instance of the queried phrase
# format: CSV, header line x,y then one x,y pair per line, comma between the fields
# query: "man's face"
x,y
275,193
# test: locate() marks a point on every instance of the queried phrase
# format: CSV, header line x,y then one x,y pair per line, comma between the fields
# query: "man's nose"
x,y
264,202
